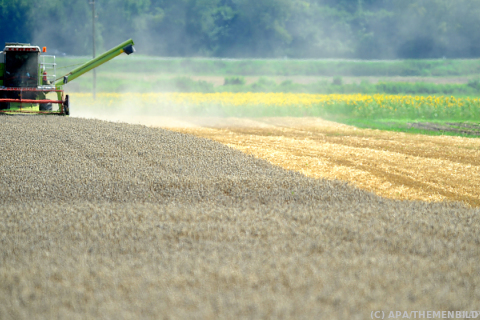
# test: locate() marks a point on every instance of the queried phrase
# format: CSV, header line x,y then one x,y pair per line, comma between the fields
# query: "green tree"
x,y
15,23
61,26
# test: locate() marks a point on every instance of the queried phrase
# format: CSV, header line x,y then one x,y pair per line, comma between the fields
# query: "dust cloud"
x,y
128,111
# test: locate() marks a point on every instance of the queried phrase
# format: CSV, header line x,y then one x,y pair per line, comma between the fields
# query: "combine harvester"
x,y
27,76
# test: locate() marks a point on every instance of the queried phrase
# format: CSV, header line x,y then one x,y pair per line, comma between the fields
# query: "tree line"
x,y
301,29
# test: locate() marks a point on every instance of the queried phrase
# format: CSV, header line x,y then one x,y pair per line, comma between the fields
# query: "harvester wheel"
x,y
4,105
66,106
45,107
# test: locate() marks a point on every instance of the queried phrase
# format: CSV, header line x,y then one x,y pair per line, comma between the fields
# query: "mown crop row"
x,y
376,106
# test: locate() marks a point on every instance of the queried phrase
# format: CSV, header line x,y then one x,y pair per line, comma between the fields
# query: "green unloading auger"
x,y
126,47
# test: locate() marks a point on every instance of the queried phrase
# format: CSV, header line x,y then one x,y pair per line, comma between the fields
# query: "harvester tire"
x,y
66,106
4,106
45,107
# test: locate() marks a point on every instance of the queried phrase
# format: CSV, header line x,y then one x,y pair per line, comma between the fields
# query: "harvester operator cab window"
x,y
21,69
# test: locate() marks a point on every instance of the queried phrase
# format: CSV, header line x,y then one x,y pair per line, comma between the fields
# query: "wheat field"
x,y
119,221
391,164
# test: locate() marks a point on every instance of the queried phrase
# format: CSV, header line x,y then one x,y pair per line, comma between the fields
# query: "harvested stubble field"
x,y
110,220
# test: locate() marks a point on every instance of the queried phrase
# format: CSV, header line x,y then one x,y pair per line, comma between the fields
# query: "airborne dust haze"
x,y
279,29
359,29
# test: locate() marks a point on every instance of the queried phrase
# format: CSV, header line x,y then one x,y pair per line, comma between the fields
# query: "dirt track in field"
x,y
117,221
220,80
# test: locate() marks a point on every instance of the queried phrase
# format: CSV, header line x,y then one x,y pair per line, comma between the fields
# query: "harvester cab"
x,y
27,76
21,65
